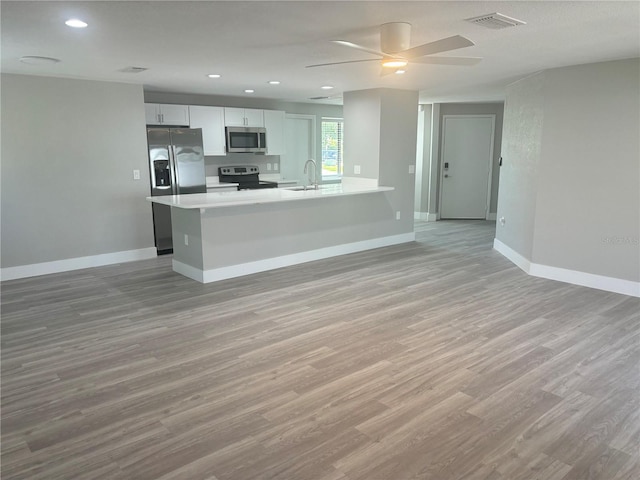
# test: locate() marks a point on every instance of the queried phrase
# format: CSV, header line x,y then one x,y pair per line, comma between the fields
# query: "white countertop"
x,y
266,195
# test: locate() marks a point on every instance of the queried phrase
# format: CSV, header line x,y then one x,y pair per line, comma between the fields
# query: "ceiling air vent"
x,y
318,98
495,21
133,69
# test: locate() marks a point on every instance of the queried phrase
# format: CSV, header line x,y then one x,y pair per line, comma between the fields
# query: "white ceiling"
x,y
250,43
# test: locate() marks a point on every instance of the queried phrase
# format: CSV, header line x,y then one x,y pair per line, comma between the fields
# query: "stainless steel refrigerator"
x,y
176,167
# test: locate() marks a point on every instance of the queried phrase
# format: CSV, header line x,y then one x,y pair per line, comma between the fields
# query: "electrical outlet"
x,y
502,221
356,169
398,215
186,239
275,167
268,166
136,174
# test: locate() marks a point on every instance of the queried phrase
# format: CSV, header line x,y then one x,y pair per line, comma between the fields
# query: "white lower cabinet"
x,y
211,121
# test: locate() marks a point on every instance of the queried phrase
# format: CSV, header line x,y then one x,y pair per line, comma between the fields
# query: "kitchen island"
x,y
222,235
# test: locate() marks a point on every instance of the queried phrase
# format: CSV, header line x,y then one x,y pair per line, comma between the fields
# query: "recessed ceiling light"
x,y
75,23
326,87
274,82
248,90
34,60
213,75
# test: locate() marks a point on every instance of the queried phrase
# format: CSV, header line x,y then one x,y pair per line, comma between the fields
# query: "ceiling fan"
x,y
396,52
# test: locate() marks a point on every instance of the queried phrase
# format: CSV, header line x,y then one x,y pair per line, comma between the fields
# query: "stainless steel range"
x,y
246,176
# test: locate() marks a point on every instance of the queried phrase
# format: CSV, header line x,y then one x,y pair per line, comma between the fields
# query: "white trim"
x,y
425,216
188,271
57,266
233,271
493,216
574,277
512,255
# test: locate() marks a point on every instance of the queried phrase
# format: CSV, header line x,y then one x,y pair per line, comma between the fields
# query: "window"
x,y
332,134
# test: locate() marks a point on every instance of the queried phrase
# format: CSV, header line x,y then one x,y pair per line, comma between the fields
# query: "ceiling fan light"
x,y
394,63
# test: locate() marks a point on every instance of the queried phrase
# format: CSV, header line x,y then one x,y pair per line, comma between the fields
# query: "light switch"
x,y
136,174
275,167
412,169
356,169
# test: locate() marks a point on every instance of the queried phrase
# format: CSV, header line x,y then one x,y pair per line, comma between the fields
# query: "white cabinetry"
x,y
274,124
211,121
243,117
165,114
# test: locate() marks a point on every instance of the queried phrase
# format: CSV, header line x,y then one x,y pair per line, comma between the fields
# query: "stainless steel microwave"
x,y
246,140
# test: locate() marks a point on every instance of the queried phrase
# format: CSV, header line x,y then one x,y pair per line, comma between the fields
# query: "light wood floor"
x,y
433,360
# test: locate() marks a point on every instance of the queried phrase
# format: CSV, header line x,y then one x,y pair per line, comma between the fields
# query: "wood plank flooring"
x,y
433,360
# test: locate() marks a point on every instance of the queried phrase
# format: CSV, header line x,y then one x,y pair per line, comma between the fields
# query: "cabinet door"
x,y
274,123
234,117
211,121
152,113
174,115
253,117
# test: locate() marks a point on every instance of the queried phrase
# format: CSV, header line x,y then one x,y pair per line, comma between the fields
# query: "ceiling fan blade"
x,y
448,60
358,47
341,63
443,45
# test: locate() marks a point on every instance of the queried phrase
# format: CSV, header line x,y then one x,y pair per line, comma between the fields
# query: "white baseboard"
x,y
600,282
57,266
425,216
223,273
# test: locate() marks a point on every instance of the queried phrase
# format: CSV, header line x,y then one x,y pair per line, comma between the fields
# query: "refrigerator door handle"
x,y
175,177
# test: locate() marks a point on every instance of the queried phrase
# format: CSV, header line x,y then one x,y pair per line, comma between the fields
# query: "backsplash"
x,y
263,162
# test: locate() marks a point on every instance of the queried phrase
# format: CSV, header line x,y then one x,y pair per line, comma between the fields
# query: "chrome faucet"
x,y
313,184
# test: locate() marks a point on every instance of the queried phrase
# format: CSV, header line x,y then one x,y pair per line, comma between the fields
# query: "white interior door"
x,y
299,132
467,153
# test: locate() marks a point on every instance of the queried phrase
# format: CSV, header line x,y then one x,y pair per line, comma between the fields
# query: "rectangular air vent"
x,y
133,69
495,21
318,98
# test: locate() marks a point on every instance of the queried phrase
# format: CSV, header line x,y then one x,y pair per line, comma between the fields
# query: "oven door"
x,y
246,140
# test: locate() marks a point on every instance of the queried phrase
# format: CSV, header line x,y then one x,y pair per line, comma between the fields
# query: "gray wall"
x,y
521,146
381,136
398,141
362,133
423,160
583,165
69,148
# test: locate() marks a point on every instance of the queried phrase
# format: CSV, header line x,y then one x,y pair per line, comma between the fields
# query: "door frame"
x,y
492,116
314,132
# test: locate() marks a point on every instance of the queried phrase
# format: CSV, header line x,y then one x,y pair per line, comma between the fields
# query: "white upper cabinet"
x,y
274,123
166,114
243,117
211,121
